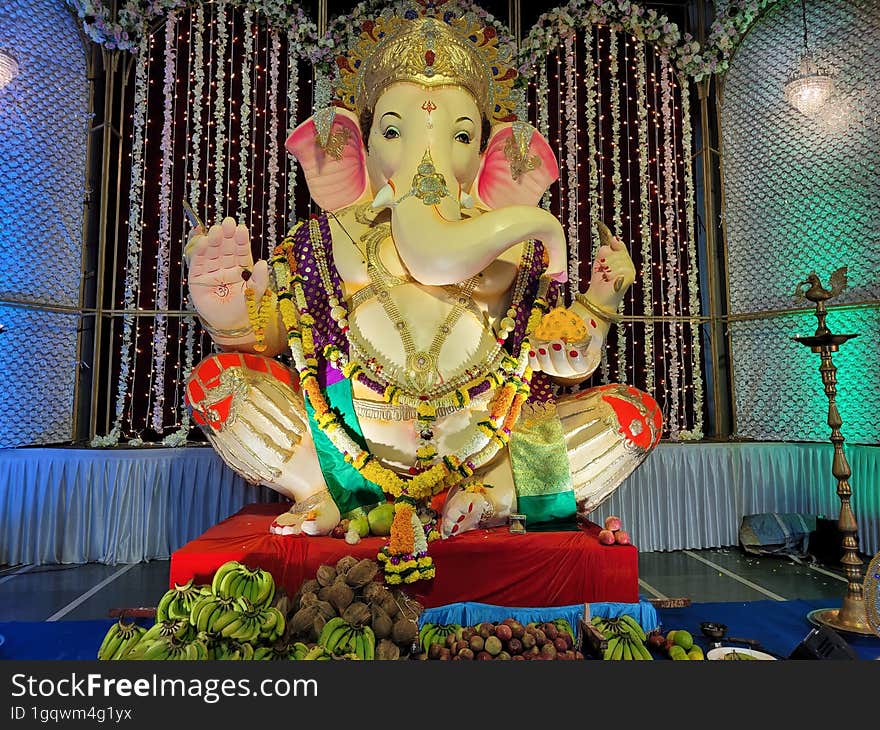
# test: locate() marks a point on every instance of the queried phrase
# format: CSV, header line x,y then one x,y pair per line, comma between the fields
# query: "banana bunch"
x,y
180,629
299,651
208,611
619,626
626,646
178,602
436,634
171,648
231,650
340,637
563,625
234,580
274,653
317,653
120,640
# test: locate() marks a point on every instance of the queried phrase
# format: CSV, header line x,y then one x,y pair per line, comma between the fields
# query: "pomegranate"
x,y
606,537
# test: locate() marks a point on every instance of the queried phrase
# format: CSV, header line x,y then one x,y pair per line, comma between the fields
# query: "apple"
x,y
613,523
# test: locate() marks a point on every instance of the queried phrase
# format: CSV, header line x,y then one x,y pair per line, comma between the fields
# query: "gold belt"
x,y
378,411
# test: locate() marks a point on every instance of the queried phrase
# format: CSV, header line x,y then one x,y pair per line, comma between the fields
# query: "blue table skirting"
x,y
65,505
471,614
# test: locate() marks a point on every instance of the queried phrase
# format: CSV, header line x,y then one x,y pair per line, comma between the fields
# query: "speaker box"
x,y
826,542
823,643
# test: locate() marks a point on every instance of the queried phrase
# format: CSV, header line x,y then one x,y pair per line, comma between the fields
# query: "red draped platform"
x,y
489,566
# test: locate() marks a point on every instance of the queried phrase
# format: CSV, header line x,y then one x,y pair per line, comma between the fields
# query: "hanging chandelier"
x,y
8,68
809,87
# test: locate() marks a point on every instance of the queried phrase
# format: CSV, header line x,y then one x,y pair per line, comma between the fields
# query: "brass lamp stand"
x,y
851,617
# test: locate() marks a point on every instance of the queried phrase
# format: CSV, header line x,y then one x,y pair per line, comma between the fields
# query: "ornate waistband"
x,y
378,411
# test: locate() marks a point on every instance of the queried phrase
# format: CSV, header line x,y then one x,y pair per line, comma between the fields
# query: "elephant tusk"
x,y
384,198
466,200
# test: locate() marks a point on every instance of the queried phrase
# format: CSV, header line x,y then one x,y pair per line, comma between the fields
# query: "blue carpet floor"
x,y
778,626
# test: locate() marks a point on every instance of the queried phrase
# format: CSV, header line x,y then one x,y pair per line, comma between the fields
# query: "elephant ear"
x,y
330,150
517,168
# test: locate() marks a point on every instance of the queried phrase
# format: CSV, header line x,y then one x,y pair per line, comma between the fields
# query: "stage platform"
x,y
488,566
125,505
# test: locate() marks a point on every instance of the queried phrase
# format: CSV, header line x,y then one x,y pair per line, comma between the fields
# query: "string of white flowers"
x,y
323,88
569,120
244,137
693,274
195,143
543,115
132,261
617,183
272,148
647,273
667,152
220,152
292,112
163,255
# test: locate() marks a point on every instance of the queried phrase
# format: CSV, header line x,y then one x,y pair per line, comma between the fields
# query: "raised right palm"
x,y
216,260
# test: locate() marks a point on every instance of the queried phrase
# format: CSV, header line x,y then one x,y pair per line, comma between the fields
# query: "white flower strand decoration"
x,y
132,267
272,151
646,277
667,151
569,120
617,184
693,274
543,116
244,147
292,112
163,255
196,109
220,151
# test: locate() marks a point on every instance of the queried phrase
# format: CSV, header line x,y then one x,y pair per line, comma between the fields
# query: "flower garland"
x,y
244,146
667,161
692,59
219,83
693,274
195,114
132,265
543,118
617,184
160,330
646,278
569,120
292,112
272,147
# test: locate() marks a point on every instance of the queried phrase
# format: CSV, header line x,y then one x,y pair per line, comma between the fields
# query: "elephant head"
x,y
461,192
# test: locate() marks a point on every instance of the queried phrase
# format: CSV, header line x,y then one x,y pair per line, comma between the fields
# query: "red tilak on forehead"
x,y
429,106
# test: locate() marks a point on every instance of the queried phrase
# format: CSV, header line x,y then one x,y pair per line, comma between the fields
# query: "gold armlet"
x,y
240,332
596,310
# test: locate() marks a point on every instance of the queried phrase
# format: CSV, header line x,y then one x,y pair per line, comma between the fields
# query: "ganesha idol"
x,y
418,308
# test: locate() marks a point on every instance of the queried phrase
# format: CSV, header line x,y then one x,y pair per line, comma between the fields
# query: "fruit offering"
x,y
120,639
626,638
613,532
679,646
504,641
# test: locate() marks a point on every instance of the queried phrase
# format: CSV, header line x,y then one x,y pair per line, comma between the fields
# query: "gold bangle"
x,y
240,332
596,310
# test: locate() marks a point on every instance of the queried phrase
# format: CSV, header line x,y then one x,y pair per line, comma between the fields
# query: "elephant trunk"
x,y
439,251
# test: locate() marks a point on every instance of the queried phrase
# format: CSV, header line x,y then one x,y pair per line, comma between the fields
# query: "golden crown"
x,y
430,52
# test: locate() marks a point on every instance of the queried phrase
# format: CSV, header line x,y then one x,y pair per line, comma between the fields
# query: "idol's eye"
x,y
391,133
463,137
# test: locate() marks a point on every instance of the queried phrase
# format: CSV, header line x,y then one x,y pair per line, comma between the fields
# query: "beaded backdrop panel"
x,y
43,131
802,194
613,110
214,92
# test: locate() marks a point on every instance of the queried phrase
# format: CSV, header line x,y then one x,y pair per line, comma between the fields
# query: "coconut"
x,y
387,650
310,586
346,563
357,614
340,597
363,573
318,626
324,593
404,632
374,592
381,622
326,609
326,575
302,620
389,605
308,599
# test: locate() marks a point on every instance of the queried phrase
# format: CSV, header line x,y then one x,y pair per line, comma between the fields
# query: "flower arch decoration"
x,y
135,17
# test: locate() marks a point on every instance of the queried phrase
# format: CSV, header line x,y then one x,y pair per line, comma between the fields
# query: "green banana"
x,y
369,644
423,635
164,603
627,651
635,627
221,574
613,646
110,637
331,632
565,626
299,651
